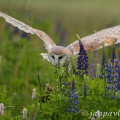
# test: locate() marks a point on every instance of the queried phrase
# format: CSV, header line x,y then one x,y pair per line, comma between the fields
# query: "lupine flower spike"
x,y
113,75
113,57
118,70
82,60
117,76
73,98
103,64
103,68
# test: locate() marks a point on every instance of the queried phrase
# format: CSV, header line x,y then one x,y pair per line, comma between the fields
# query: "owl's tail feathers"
x,y
45,56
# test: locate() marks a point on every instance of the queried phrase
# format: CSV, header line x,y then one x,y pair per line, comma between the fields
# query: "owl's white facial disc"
x,y
55,60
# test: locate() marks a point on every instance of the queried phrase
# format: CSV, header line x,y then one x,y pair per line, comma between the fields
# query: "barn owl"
x,y
59,54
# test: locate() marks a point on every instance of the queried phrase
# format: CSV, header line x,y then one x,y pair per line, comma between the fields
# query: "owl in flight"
x,y
58,54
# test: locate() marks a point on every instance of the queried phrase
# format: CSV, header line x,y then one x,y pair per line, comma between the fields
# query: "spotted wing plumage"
x,y
94,41
26,28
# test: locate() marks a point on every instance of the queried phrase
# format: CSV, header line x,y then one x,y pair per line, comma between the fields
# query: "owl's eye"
x,y
53,57
60,57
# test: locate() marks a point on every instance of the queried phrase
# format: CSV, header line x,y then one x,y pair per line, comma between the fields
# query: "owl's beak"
x,y
56,63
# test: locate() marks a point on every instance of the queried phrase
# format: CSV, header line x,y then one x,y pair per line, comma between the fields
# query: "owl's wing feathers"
x,y
45,56
26,28
94,41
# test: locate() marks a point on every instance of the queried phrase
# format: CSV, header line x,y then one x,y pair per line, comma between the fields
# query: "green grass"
x,y
21,60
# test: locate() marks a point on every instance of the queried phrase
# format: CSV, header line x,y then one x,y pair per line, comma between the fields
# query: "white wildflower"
x,y
92,118
24,113
98,114
1,108
33,93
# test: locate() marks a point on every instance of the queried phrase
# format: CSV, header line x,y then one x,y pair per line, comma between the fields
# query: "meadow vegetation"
x,y
21,62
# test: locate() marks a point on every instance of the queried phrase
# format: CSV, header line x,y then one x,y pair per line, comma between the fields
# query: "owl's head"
x,y
59,55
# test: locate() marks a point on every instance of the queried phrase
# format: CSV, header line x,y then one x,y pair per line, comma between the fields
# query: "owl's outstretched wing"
x,y
94,41
26,28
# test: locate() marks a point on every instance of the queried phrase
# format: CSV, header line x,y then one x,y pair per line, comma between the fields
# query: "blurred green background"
x,y
21,60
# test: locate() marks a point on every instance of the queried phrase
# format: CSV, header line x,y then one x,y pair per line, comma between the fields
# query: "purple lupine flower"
x,y
109,72
113,76
113,56
82,60
103,69
117,76
103,64
73,98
